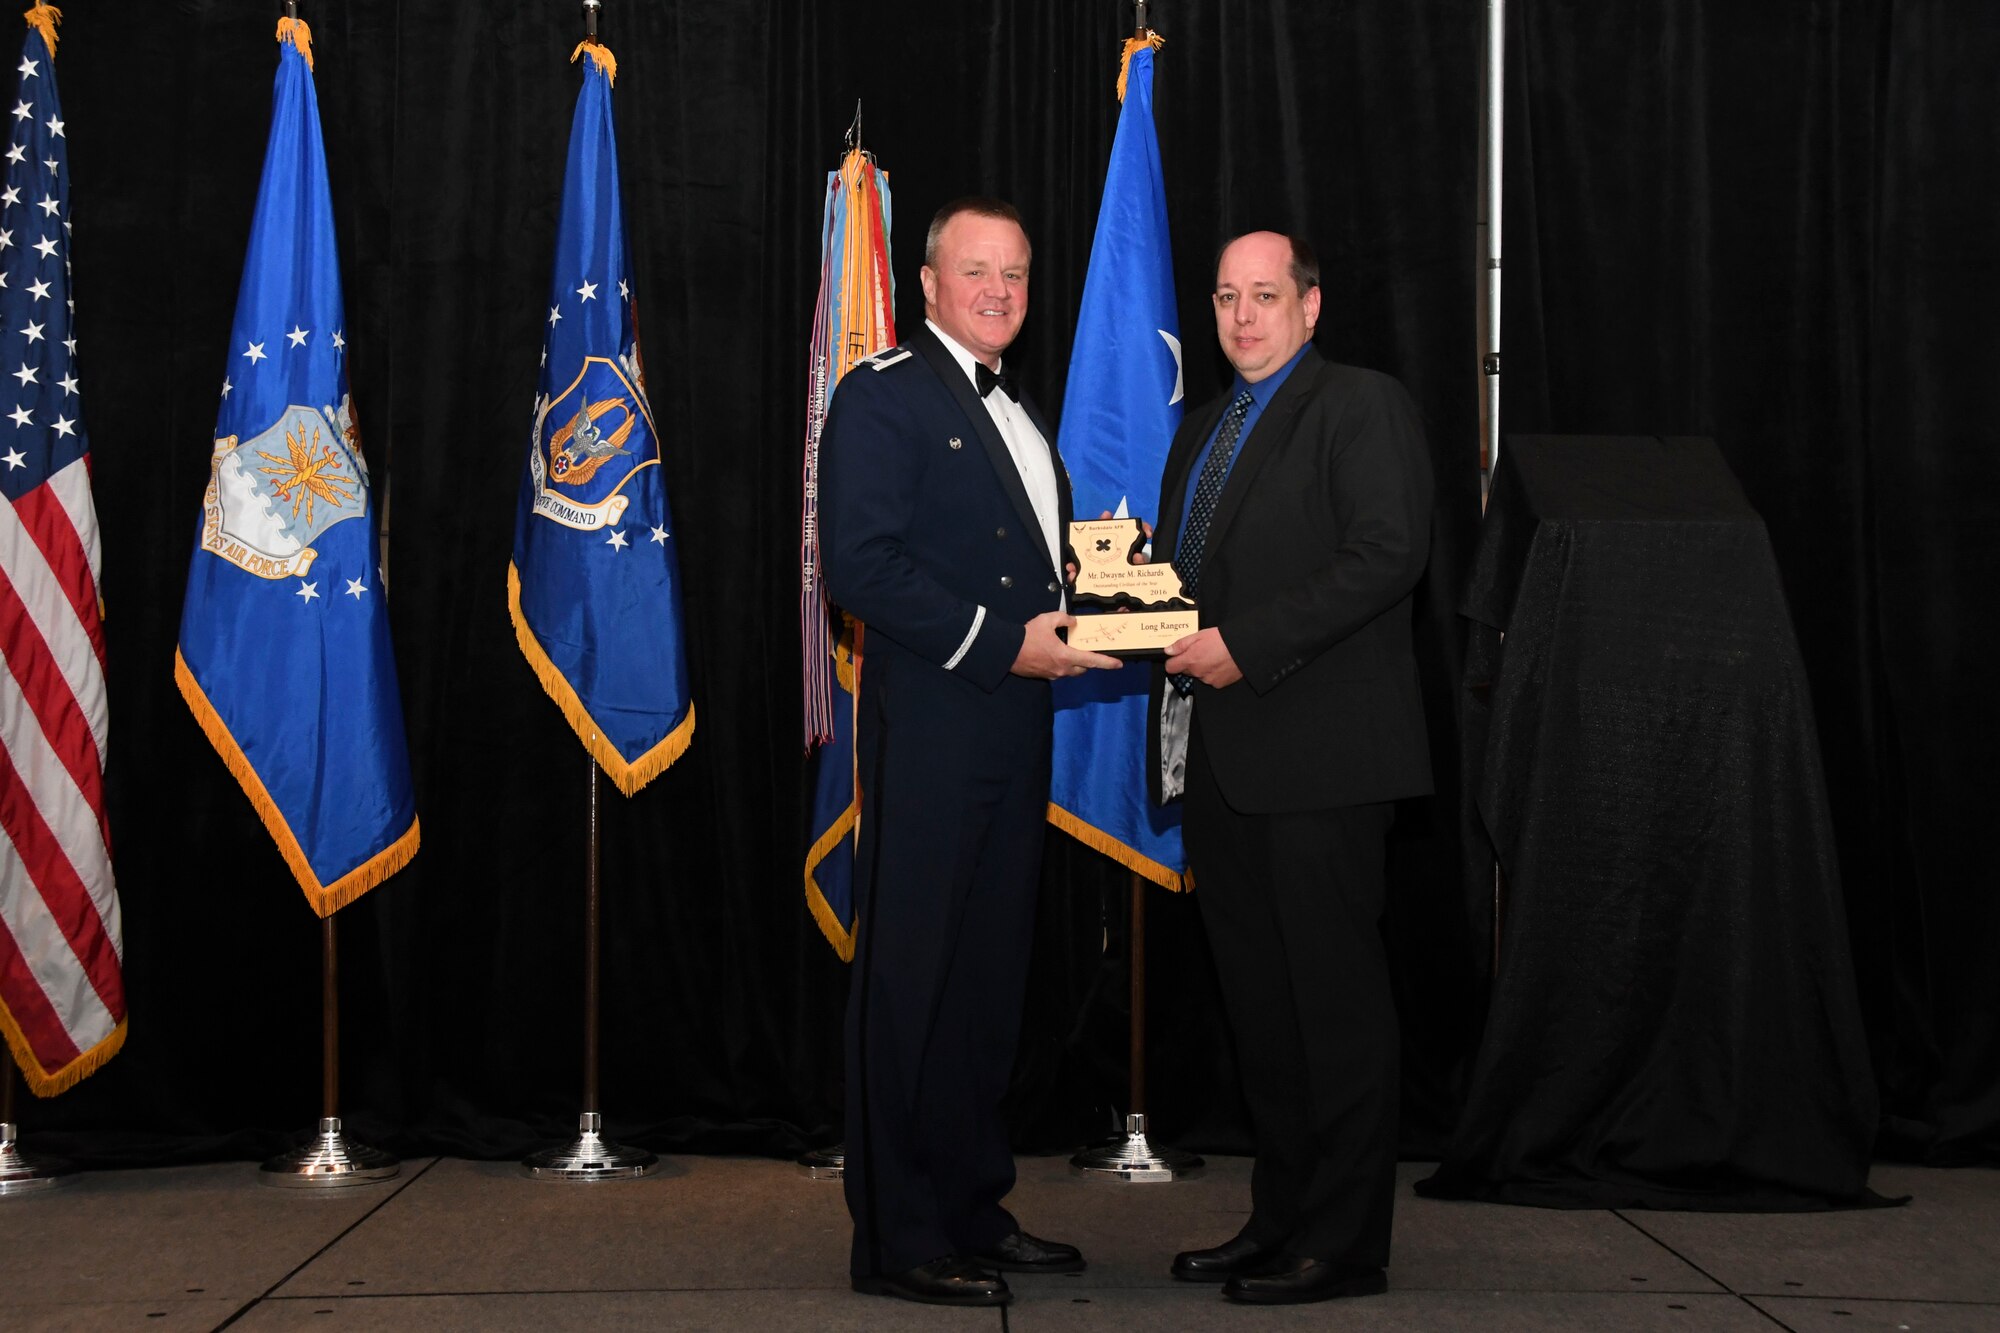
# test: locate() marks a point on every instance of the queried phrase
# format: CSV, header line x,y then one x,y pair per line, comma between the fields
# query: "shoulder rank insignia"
x,y
884,359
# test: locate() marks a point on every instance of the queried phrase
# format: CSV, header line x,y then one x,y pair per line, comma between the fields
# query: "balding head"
x,y
1266,301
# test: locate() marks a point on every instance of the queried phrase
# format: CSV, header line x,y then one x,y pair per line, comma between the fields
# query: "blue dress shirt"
x,y
1261,394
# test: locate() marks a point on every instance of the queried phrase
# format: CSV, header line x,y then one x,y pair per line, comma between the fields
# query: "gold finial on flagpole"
x,y
1143,38
293,29
600,54
43,19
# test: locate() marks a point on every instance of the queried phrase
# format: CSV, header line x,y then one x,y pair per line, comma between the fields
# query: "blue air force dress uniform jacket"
x,y
929,538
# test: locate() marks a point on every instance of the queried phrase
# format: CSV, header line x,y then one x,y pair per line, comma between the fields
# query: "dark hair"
x,y
981,205
1305,264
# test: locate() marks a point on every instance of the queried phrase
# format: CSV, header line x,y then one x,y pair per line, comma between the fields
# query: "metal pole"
x,y
1140,29
20,1172
590,1156
1492,180
329,1009
1492,190
329,1157
590,952
1132,1158
1137,1063
590,9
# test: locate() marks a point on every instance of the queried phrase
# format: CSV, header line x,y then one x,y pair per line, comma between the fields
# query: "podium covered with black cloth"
x,y
1673,1021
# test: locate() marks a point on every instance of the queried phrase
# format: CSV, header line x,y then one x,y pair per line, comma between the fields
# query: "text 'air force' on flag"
x,y
284,654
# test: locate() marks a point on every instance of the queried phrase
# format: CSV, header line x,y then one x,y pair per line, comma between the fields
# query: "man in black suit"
x,y
1296,508
943,510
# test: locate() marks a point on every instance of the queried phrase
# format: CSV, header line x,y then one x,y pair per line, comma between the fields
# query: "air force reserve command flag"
x,y
595,585
1119,414
62,1000
284,647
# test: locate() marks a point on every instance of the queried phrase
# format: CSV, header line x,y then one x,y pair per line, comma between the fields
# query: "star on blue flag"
x,y
295,689
62,989
595,585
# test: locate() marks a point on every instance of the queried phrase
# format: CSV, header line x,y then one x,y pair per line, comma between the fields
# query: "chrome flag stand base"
x,y
329,1159
590,1157
27,1173
1134,1160
825,1163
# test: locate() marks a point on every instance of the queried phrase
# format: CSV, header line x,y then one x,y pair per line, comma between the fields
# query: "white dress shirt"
x,y
1033,458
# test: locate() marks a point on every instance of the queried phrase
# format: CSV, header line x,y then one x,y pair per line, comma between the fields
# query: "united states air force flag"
x,y
595,585
855,318
284,650
1119,414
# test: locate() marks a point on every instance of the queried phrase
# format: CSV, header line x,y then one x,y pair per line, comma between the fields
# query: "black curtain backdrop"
x,y
1757,222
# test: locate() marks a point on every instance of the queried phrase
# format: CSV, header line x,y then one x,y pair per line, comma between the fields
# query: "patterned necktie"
x,y
1207,490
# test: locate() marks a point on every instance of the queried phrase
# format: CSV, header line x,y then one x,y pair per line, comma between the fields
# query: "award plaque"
x,y
1123,609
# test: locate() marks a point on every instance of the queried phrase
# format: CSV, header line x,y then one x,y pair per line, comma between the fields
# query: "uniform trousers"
x,y
953,806
1292,904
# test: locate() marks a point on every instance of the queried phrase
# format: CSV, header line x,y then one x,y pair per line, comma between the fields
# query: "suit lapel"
x,y
1273,425
959,386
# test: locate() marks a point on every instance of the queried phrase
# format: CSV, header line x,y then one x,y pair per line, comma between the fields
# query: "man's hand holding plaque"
x,y
1121,608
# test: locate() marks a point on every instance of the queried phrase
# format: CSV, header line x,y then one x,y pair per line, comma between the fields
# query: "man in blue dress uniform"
x,y
943,510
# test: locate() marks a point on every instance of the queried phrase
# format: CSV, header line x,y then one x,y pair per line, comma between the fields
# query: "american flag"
x,y
62,1001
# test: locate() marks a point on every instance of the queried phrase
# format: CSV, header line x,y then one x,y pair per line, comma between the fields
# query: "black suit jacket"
x,y
926,529
1311,560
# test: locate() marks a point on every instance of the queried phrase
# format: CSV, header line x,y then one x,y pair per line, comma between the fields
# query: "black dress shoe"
x,y
947,1281
1296,1281
1022,1253
1225,1261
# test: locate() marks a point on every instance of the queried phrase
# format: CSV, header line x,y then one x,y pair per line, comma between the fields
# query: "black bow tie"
x,y
987,380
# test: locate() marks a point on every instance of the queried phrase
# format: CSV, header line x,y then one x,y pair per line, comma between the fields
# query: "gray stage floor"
x,y
737,1243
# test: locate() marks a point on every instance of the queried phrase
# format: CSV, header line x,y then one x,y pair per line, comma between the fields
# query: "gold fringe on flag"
x,y
839,936
629,777
847,651
1096,838
601,54
39,1080
43,19
1133,46
326,899
298,34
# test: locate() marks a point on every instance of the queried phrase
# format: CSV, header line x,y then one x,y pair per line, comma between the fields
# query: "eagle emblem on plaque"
x,y
589,442
270,497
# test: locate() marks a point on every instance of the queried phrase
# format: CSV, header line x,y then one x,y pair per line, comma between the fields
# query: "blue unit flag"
x,y
1119,414
595,586
284,652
